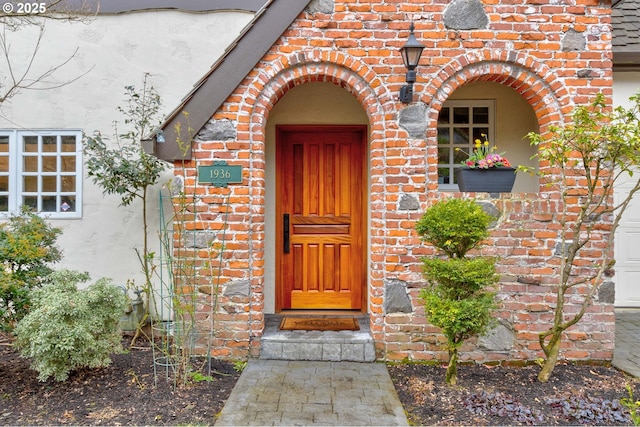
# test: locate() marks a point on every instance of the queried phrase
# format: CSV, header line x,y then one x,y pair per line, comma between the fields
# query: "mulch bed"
x,y
128,393
124,393
510,395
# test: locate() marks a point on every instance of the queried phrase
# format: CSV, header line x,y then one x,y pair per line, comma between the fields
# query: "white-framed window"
x,y
43,170
460,123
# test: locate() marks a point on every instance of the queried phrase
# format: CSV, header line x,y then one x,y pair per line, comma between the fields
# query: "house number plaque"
x,y
220,174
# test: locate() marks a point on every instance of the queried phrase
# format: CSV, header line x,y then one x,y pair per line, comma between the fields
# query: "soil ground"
x,y
128,393
512,395
125,393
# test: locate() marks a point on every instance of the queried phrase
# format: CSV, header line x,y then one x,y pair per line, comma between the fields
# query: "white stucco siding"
x,y
114,51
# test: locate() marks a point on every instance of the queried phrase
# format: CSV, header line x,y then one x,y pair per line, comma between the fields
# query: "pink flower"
x,y
484,157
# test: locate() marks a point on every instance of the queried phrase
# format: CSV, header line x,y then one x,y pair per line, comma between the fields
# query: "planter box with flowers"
x,y
485,170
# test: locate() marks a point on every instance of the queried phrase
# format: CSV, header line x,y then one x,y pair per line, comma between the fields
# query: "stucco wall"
x,y
625,84
113,51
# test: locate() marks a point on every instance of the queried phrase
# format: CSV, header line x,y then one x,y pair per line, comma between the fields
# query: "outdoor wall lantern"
x,y
410,52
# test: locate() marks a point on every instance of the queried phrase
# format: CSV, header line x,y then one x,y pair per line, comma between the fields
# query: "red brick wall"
x,y
356,47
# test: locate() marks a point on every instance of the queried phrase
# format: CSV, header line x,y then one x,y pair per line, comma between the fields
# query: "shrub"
x,y
68,328
454,226
458,298
27,247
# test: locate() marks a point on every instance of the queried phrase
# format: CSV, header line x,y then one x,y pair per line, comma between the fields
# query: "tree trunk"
x,y
552,357
452,370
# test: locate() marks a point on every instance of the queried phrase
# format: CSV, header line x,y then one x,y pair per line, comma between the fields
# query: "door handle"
x,y
286,237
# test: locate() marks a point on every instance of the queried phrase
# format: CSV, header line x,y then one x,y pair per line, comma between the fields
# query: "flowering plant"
x,y
484,157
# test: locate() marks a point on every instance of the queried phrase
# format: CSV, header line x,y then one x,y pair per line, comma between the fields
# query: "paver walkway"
x,y
279,392
626,354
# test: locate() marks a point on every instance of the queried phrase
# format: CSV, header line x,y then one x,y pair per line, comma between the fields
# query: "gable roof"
x,y
625,17
227,73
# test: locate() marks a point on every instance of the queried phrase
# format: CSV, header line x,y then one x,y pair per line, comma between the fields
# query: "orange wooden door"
x,y
321,217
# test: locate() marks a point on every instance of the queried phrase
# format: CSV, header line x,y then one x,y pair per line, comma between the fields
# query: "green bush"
x,y
460,278
454,226
70,328
458,298
27,247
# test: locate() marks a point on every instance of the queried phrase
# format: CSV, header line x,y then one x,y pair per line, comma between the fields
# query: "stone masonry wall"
x,y
555,54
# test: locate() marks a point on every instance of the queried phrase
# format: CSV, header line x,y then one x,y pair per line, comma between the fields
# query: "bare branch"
x,y
17,81
14,15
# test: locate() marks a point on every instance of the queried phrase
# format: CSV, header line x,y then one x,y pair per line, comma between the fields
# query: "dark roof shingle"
x,y
625,18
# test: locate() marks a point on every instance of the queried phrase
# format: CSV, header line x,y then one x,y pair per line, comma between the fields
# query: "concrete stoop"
x,y
333,346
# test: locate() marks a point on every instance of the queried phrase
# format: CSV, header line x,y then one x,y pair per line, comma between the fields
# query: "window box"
x,y
493,180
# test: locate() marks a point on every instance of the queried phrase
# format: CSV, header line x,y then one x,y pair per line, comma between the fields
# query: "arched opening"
x,y
494,109
311,103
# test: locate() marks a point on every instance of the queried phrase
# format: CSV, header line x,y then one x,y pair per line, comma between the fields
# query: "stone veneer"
x,y
554,54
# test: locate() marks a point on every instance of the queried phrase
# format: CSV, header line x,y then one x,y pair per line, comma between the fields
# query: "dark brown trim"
x,y
624,59
226,74
124,6
626,67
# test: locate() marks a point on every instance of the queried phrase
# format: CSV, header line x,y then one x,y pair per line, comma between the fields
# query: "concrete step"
x,y
334,346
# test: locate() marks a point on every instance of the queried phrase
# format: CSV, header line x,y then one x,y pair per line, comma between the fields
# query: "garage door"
x,y
627,249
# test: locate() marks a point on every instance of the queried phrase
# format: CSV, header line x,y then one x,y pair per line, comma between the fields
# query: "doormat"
x,y
319,324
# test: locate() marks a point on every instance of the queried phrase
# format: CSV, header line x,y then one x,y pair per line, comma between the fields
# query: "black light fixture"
x,y
410,52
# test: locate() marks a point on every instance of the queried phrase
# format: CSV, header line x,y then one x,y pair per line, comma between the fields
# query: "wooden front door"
x,y
320,262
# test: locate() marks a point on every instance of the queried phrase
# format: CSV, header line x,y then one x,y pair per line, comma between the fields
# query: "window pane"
x,y
30,144
4,144
49,184
4,183
69,144
68,163
461,136
48,172
443,156
68,204
49,144
460,115
460,156
478,132
68,184
4,203
4,164
49,203
30,164
480,115
30,184
443,136
30,201
49,164
443,117
443,176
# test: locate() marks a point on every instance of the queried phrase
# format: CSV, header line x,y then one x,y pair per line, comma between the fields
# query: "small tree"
x,y
586,159
126,169
27,247
68,328
458,298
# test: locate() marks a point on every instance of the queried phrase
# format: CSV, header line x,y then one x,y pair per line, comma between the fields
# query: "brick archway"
x,y
535,81
285,73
